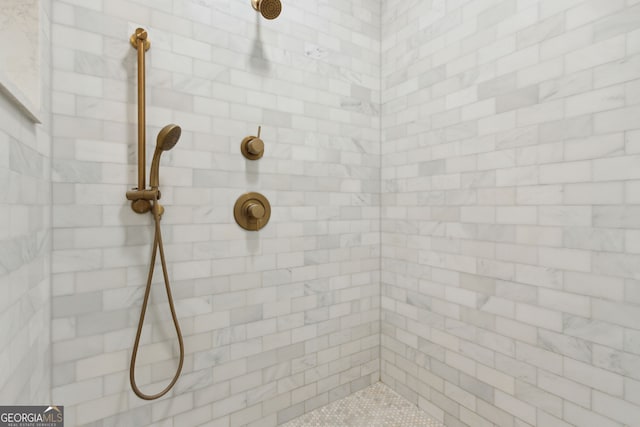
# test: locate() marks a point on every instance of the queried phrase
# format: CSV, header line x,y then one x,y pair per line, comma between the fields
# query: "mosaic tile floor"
x,y
375,406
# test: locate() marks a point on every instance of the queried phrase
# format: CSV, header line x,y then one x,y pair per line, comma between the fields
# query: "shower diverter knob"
x,y
255,146
252,211
252,147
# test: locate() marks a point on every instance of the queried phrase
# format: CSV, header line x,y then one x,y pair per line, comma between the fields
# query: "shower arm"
x,y
141,197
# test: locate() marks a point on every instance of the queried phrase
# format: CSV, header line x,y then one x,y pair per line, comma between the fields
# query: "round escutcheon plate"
x,y
252,211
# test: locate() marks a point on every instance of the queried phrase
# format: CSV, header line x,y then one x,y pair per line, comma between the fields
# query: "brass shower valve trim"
x,y
252,147
252,211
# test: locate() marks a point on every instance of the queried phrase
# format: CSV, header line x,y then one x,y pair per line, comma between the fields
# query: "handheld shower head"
x,y
270,9
167,138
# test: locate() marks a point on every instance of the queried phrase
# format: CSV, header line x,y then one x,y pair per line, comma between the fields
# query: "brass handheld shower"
x,y
145,200
167,138
270,9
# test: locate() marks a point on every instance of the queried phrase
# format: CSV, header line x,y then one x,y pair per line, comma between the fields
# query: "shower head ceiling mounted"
x,y
270,9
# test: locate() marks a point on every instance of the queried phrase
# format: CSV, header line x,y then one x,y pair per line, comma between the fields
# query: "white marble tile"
x,y
557,202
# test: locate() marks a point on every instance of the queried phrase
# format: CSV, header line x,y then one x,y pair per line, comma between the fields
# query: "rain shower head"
x,y
270,9
167,138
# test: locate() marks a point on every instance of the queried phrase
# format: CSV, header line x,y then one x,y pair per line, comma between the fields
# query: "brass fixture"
x,y
167,138
140,35
146,200
157,211
269,9
139,40
252,147
252,211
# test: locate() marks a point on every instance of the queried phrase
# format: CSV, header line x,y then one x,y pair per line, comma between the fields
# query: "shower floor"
x,y
375,406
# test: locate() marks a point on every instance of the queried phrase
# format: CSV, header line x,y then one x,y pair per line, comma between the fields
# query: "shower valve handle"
x,y
252,147
255,146
254,210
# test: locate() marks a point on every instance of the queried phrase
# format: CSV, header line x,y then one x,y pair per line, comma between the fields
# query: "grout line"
x,y
380,197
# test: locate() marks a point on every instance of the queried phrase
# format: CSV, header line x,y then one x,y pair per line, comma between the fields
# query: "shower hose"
x,y
157,245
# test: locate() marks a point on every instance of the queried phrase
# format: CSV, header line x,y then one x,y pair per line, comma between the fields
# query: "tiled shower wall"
x,y
276,323
511,217
25,234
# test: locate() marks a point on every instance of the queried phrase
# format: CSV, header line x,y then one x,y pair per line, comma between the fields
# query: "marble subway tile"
x,y
205,74
551,222
542,230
